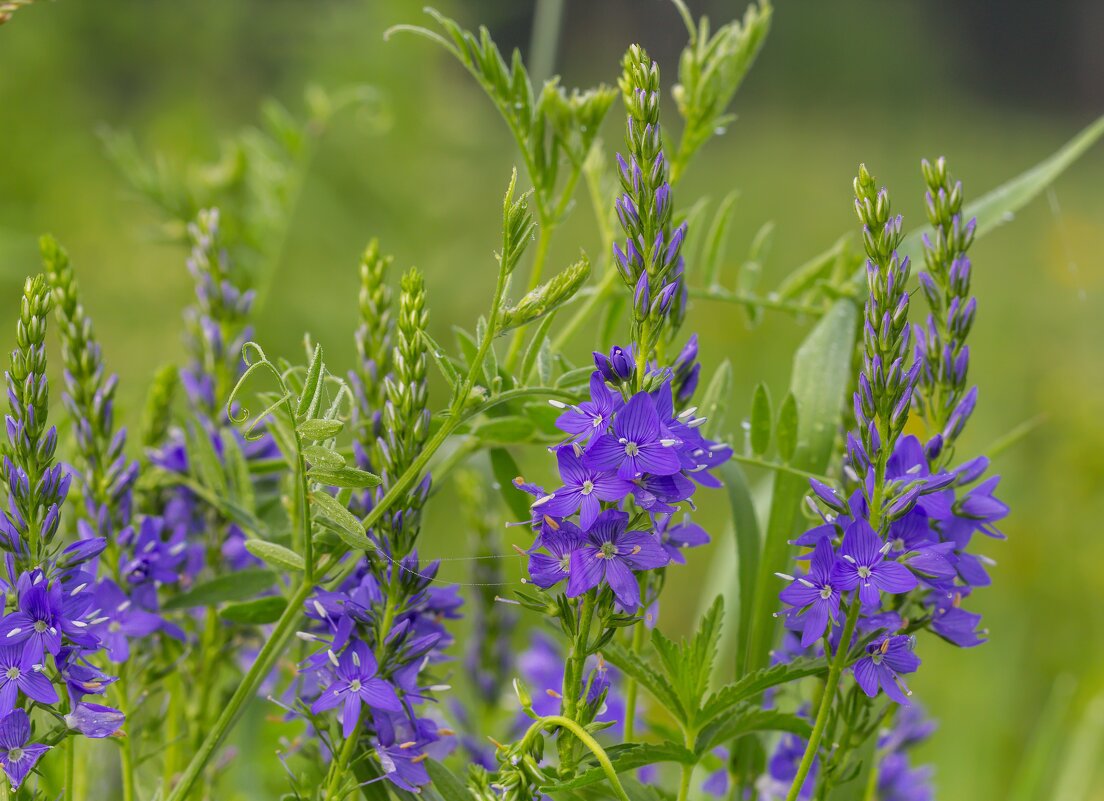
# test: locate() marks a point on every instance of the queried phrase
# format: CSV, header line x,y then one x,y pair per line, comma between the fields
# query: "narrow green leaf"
x,y
761,416
748,544
311,397
446,783
787,428
345,478
276,555
505,470
1036,766
323,458
713,251
256,612
504,430
238,586
1082,755
532,350
347,525
318,429
714,404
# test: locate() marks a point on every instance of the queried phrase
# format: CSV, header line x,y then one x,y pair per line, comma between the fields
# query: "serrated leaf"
x,y
256,612
751,685
319,429
311,397
760,420
624,757
345,478
634,666
275,554
323,458
238,586
747,720
787,427
347,525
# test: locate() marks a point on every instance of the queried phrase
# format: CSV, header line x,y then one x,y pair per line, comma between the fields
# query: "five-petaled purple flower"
x,y
19,670
610,554
592,416
560,540
356,683
816,596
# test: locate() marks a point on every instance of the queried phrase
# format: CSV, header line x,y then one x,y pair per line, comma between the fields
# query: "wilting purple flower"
x,y
583,490
17,756
356,683
95,721
815,597
610,555
886,658
864,565
20,671
636,446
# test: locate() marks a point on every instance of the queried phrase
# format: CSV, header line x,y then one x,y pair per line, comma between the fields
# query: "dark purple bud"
x,y
971,471
641,295
828,496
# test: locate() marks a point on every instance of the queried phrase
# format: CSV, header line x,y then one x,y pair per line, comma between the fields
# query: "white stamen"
x,y
785,576
557,404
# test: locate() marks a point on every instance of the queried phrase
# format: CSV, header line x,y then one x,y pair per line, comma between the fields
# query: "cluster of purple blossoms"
x,y
628,462
898,540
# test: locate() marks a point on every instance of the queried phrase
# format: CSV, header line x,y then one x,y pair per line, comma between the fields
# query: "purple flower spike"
x,y
886,658
636,446
357,683
18,757
584,489
610,555
864,565
817,595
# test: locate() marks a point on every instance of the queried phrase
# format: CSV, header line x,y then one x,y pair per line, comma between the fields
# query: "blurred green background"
x,y
884,83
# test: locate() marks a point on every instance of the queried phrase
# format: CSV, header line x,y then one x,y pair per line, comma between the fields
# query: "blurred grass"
x,y
182,75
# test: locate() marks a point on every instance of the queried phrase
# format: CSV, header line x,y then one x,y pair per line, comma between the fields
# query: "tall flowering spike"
x,y
941,344
37,486
89,398
649,260
405,421
216,324
889,373
373,340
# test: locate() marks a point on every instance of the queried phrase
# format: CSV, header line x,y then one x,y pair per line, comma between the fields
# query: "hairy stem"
x,y
588,742
339,765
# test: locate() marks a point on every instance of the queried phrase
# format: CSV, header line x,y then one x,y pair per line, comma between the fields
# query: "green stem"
x,y
126,752
172,731
589,742
573,678
246,690
337,769
824,711
70,768
631,687
684,782
544,239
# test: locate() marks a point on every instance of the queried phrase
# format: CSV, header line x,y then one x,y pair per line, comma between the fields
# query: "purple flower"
x,y
356,683
583,490
120,620
80,677
560,540
619,365
865,566
38,619
610,554
636,446
592,416
686,534
20,671
816,596
886,658
95,721
17,756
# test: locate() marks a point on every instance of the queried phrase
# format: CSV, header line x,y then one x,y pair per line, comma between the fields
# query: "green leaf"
x,y
446,783
746,720
1036,765
760,420
821,376
346,524
256,612
505,470
323,458
504,430
345,478
634,666
1082,755
275,554
318,429
237,469
205,463
713,251
787,428
751,685
311,397
442,360
623,757
238,586
714,402
748,545
532,350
